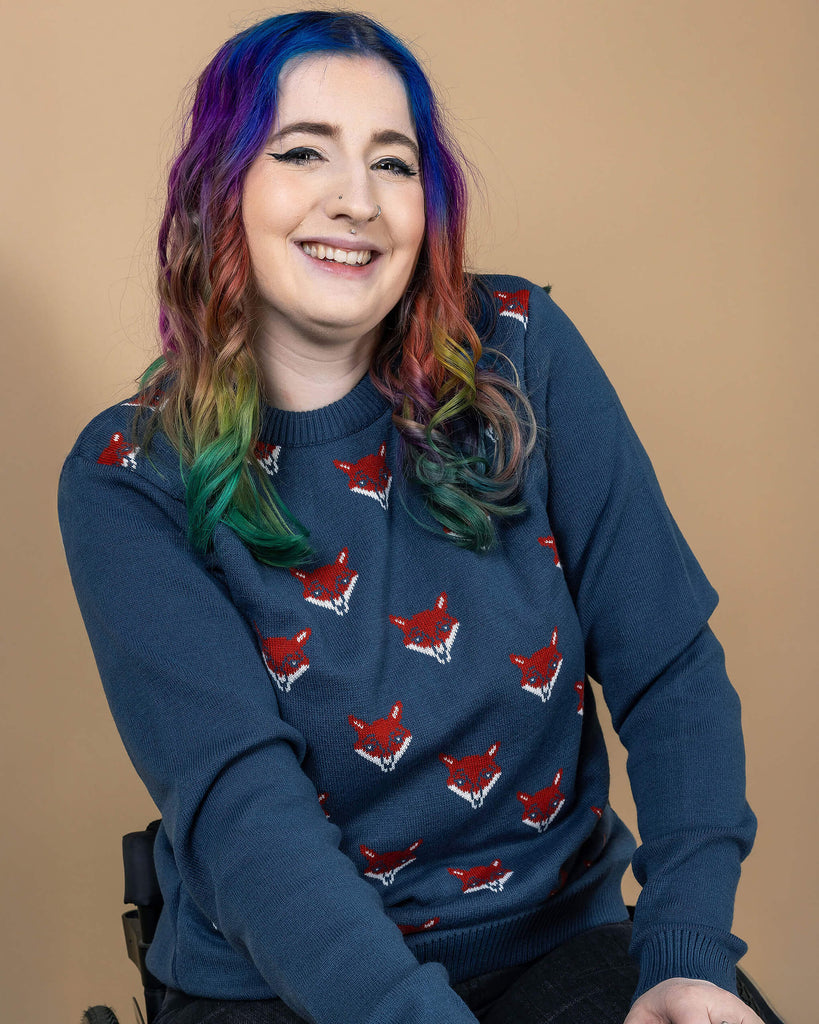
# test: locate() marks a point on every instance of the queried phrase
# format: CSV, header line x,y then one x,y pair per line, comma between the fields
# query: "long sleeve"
x,y
643,604
257,858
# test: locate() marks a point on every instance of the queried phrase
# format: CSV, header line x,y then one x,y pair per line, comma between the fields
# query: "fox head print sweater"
x,y
383,773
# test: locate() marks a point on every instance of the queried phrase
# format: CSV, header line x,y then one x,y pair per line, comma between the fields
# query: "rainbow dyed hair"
x,y
426,364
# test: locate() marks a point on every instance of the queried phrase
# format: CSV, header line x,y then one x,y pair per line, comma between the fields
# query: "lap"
x,y
588,980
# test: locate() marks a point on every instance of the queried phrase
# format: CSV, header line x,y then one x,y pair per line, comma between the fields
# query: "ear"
x,y
356,723
524,798
300,574
342,558
396,620
558,776
395,710
416,844
299,638
447,760
517,659
440,604
366,851
346,466
382,451
457,872
554,636
493,750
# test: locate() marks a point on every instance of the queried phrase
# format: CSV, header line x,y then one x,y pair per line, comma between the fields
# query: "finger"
x,y
731,1010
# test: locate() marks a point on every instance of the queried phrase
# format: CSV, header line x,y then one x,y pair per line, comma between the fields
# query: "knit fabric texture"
x,y
384,773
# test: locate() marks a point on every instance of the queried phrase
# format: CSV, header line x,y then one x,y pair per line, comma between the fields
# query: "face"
x,y
328,266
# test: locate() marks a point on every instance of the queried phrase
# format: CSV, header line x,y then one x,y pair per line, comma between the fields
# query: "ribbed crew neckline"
x,y
356,410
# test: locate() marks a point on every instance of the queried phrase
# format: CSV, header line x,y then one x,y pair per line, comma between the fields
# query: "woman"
x,y
346,561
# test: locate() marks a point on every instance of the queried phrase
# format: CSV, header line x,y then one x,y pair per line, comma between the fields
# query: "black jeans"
x,y
588,980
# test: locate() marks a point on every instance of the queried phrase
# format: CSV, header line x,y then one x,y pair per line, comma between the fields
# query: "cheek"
x,y
410,225
269,209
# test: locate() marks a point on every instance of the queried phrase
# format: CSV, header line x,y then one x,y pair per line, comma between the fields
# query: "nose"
x,y
351,198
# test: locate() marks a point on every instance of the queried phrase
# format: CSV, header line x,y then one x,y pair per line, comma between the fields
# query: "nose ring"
x,y
375,216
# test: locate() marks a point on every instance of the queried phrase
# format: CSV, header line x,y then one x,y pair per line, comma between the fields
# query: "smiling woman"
x,y
333,212
368,725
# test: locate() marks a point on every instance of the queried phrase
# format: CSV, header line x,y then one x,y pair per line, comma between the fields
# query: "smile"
x,y
351,257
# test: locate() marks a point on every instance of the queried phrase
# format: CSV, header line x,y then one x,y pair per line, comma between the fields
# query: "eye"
x,y
300,156
393,165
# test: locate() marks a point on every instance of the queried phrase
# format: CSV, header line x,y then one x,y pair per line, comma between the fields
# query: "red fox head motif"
x,y
330,585
153,400
472,777
489,876
515,304
541,808
414,929
549,542
383,741
369,476
284,657
385,866
118,453
538,673
268,456
431,631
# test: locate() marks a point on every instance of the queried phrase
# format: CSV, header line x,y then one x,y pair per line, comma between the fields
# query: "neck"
x,y
300,377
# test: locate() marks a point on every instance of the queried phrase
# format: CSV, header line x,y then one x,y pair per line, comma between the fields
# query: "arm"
x,y
643,604
199,719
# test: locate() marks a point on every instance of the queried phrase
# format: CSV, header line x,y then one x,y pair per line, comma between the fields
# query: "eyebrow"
x,y
389,136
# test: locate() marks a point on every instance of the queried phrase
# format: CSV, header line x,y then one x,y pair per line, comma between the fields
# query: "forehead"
x,y
338,88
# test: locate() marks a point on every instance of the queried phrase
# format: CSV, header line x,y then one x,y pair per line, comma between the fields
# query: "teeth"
x,y
352,257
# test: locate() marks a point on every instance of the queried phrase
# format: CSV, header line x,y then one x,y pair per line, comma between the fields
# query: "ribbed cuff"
x,y
709,955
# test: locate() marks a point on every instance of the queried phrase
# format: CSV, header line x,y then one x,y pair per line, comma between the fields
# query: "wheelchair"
x,y
143,892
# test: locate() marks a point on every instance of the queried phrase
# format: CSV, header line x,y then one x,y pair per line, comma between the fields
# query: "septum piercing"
x,y
378,214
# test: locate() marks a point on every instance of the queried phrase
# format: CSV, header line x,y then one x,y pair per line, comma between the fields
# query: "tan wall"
x,y
655,161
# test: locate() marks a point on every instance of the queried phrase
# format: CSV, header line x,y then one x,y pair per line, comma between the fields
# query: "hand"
x,y
685,1001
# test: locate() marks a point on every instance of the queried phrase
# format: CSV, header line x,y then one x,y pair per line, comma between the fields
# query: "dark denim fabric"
x,y
588,980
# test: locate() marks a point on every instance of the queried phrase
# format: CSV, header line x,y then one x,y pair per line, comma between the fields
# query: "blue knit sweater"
x,y
385,772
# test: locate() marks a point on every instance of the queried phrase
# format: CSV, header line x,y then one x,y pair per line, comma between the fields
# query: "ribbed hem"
x,y
355,411
682,953
468,952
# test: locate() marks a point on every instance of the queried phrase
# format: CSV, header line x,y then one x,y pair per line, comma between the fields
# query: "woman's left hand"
x,y
685,1001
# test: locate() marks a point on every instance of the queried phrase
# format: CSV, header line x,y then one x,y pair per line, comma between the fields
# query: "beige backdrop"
x,y
657,162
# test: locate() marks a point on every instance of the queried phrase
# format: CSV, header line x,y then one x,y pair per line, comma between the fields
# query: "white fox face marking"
x,y
515,305
369,476
490,876
268,456
118,452
383,741
284,657
549,542
431,631
472,777
385,866
538,672
329,586
541,808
